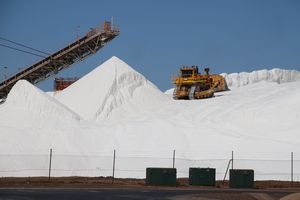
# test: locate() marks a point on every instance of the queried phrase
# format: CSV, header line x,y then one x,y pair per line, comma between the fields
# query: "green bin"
x,y
202,176
241,178
161,176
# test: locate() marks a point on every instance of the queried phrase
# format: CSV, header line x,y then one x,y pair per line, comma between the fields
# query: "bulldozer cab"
x,y
187,72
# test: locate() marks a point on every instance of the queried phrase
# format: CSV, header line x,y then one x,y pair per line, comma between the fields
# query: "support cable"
x,y
22,45
3,45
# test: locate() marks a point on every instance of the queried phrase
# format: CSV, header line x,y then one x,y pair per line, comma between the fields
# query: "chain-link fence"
x,y
122,165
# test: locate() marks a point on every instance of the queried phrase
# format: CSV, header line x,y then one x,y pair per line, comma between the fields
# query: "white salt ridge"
x,y
25,97
274,75
101,92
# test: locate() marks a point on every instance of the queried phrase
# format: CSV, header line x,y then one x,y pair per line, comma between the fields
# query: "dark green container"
x,y
202,176
161,176
241,178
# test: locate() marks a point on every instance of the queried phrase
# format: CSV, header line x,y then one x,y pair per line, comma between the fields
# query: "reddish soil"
x,y
109,182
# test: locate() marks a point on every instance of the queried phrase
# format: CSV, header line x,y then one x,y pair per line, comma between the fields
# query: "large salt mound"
x,y
26,98
273,75
259,122
113,88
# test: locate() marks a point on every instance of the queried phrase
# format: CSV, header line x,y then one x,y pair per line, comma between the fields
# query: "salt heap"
x,y
112,89
26,98
274,75
128,113
31,122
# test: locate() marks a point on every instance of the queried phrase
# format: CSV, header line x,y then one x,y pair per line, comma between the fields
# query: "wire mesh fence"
x,y
134,165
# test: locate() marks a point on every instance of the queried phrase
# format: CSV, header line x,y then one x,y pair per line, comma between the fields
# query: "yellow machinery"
x,y
222,86
190,84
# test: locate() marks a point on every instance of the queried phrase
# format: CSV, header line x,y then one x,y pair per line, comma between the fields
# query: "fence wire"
x,y
134,166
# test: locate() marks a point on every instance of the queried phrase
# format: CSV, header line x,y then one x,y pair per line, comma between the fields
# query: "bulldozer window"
x,y
186,73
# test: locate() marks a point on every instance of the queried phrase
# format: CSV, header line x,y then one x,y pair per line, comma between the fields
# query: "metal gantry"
x,y
85,46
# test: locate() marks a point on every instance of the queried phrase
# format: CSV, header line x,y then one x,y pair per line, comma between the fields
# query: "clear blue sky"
x,y
159,36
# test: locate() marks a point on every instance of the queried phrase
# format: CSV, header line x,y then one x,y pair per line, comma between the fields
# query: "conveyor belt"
x,y
62,59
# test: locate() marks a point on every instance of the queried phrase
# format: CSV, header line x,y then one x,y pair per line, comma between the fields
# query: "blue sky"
x,y
159,36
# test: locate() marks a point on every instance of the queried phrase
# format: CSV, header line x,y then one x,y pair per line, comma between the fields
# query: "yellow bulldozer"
x,y
191,84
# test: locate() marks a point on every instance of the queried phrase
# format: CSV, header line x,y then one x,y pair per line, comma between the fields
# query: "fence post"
x,y
114,165
231,159
174,158
226,171
50,161
292,167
